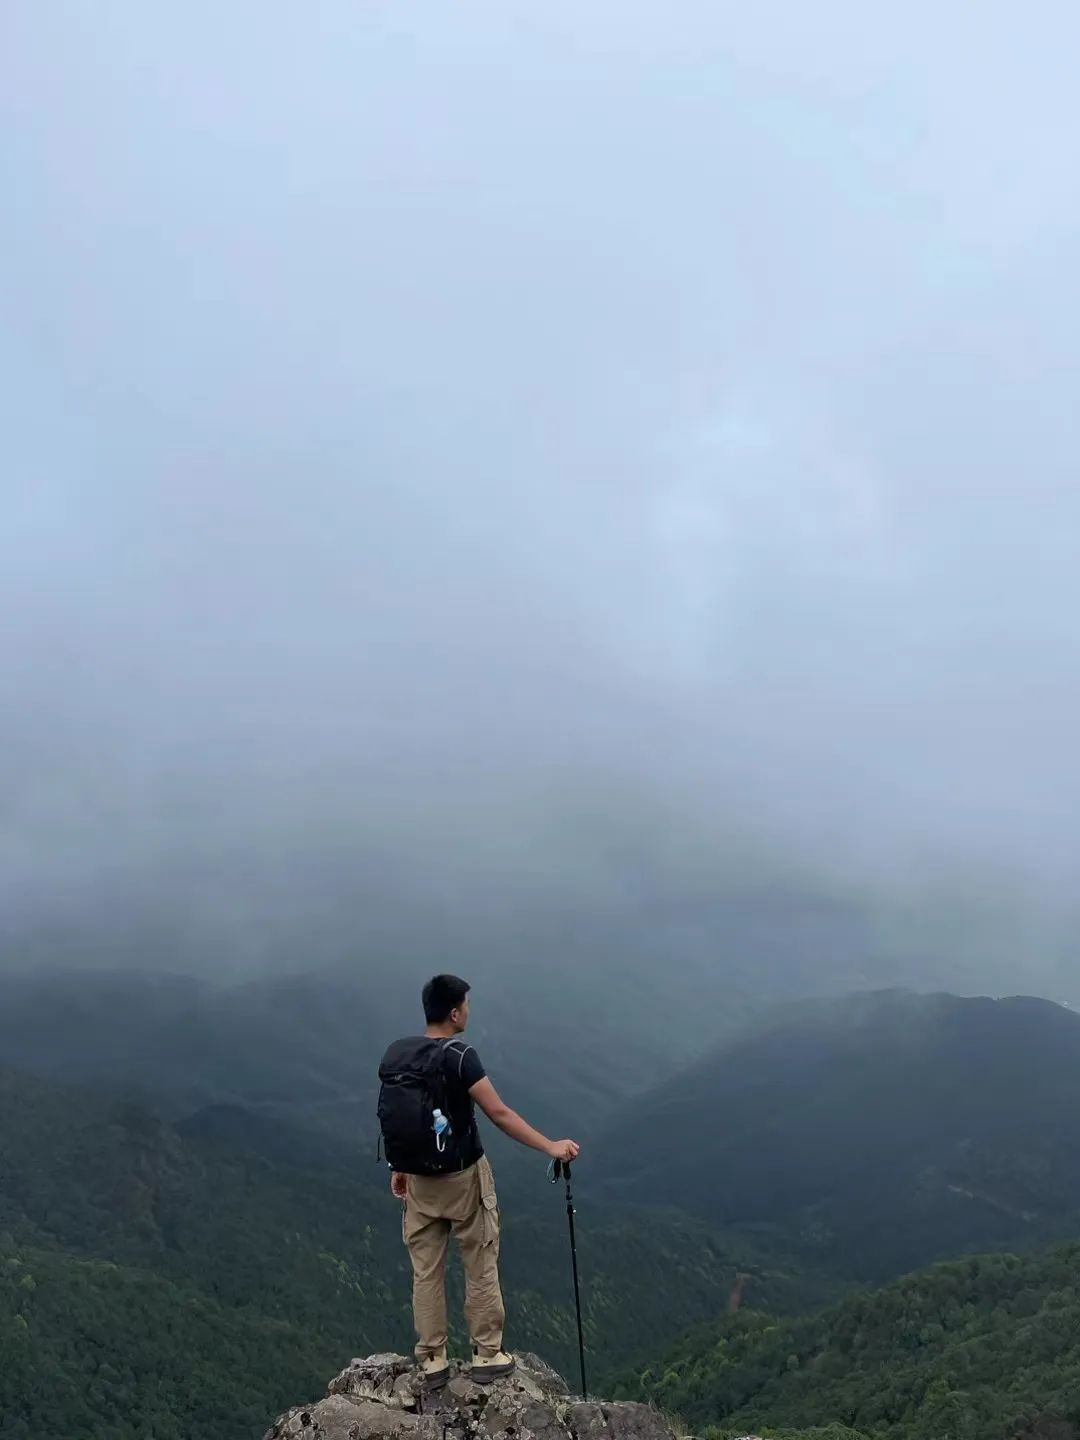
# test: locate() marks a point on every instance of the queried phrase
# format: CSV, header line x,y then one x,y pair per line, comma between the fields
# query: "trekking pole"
x,y
563,1167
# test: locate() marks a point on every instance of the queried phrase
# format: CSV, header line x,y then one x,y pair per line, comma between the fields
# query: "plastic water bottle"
x,y
442,1130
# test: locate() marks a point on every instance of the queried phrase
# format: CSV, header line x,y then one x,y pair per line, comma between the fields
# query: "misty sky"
x,y
536,446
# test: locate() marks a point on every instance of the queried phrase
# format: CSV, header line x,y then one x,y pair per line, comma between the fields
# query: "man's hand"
x,y
399,1186
564,1150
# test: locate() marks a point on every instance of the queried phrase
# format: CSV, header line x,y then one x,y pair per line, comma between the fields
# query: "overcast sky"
x,y
524,444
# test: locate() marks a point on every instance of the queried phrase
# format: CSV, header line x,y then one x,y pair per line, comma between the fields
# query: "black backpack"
x,y
413,1087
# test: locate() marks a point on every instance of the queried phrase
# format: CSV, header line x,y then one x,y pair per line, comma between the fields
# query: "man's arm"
x,y
511,1123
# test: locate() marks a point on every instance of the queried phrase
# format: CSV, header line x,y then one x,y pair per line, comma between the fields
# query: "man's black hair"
x,y
443,993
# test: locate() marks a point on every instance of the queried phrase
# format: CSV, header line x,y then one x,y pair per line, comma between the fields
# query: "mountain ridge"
x,y
942,1122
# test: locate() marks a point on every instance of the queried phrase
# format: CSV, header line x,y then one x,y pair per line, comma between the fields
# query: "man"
x,y
459,1201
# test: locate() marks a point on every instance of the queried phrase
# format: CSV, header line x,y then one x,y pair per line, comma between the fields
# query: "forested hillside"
x,y
975,1349
129,1244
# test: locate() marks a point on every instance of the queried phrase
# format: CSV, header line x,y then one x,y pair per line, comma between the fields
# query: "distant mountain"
x,y
979,1349
873,1135
305,1048
662,945
862,1137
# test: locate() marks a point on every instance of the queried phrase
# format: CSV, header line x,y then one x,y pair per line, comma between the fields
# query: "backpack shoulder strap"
x,y
461,1051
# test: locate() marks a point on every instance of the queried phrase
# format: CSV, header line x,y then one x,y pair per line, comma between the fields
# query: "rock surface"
x,y
379,1398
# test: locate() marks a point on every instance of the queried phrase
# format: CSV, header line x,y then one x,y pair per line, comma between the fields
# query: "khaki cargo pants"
x,y
462,1204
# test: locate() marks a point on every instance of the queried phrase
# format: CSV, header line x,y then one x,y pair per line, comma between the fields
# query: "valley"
x,y
232,1200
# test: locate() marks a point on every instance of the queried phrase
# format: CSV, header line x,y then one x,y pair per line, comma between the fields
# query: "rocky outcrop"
x,y
380,1399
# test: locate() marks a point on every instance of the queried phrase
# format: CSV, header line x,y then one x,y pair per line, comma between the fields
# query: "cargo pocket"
x,y
490,1203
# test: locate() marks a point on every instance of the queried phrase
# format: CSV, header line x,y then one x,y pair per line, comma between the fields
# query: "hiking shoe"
x,y
486,1368
435,1371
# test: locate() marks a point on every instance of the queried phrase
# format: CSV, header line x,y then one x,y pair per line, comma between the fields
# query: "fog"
x,y
497,460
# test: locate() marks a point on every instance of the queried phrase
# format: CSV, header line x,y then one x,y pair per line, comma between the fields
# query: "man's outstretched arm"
x,y
511,1123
